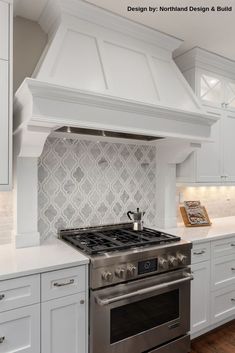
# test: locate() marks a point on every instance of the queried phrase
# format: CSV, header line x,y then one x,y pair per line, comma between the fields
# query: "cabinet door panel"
x,y
223,272
229,147
230,96
200,296
64,325
20,330
4,30
4,124
223,304
211,89
208,161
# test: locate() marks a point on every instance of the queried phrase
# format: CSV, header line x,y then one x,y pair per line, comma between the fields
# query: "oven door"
x,y
139,316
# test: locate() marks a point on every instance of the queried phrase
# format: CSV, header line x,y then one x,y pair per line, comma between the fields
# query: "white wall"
x,y
29,42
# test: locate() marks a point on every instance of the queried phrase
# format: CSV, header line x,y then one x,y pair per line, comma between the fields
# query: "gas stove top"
x,y
104,239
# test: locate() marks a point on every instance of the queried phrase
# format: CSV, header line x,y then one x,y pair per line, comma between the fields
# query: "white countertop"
x,y
221,227
51,255
54,254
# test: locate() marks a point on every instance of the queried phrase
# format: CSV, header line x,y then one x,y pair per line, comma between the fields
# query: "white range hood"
x,y
101,71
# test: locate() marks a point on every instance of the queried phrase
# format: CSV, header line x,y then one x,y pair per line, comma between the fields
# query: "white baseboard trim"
x,y
212,327
27,239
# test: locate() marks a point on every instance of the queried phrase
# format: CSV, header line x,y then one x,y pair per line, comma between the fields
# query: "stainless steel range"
x,y
139,289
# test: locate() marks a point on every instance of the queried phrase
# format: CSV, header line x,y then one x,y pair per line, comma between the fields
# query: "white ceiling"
x,y
214,31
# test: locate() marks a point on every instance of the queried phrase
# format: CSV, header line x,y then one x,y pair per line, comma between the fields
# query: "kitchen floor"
x,y
221,340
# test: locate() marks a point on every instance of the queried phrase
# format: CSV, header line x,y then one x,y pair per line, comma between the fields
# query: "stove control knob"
x,y
107,276
120,272
163,263
131,270
172,260
182,259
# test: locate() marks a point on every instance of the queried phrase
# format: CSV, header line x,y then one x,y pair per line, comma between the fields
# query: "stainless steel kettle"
x,y
137,219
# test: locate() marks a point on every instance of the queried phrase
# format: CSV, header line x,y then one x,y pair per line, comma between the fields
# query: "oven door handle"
x,y
102,302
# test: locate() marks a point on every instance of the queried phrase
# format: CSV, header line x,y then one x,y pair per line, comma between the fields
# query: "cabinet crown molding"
x,y
198,58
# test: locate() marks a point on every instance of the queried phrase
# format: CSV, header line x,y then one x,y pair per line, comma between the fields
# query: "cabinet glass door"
x,y
230,94
211,89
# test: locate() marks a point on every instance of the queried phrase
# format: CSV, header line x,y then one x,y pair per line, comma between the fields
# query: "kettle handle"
x,y
130,213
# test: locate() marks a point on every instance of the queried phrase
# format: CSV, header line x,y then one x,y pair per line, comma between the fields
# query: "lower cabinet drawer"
x,y
223,247
223,272
223,304
20,330
181,345
61,283
200,252
18,292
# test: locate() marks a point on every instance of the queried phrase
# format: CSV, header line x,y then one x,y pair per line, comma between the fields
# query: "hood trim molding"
x,y
41,108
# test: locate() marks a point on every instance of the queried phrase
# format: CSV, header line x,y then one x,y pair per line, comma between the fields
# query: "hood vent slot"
x,y
103,133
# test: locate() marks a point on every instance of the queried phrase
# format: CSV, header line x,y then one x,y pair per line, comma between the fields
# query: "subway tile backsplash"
x,y
86,183
218,200
6,217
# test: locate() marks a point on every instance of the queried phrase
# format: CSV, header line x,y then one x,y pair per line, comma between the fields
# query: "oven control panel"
x,y
147,266
139,266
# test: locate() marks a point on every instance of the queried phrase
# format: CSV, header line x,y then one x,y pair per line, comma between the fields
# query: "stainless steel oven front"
x,y
142,315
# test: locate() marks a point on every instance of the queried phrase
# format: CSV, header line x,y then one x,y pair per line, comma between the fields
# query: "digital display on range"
x,y
147,266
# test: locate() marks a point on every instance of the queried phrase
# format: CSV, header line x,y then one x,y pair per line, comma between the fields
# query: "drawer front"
x,y
223,272
181,345
201,252
223,247
20,330
57,284
4,30
223,304
18,292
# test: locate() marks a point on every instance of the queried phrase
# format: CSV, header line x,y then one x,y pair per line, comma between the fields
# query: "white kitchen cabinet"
x,y
209,158
64,325
211,89
223,304
4,30
5,95
57,284
200,296
20,330
228,145
45,313
222,272
4,123
213,80
18,292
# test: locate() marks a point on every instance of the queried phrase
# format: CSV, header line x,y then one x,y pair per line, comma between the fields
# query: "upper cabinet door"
x,y
228,147
4,30
211,89
209,157
4,124
230,96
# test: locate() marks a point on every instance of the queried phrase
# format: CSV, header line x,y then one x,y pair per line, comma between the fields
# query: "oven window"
x,y
131,319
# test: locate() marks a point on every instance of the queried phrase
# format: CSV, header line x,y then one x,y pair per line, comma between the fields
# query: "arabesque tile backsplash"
x,y
85,183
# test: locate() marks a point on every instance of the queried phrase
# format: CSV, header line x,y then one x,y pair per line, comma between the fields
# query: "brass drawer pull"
x,y
199,252
2,296
2,339
64,284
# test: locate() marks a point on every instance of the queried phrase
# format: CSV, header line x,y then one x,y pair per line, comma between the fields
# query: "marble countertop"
x,y
51,255
221,227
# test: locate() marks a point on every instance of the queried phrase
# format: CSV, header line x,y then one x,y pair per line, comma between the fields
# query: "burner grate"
x,y
110,239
